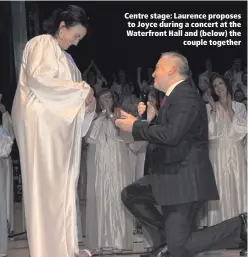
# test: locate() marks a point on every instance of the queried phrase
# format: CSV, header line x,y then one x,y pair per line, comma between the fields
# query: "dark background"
x,y
110,48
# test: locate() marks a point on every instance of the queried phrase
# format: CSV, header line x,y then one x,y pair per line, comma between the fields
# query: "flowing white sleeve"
x,y
239,123
212,125
40,62
88,117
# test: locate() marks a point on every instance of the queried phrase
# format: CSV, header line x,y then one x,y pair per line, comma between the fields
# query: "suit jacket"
x,y
177,153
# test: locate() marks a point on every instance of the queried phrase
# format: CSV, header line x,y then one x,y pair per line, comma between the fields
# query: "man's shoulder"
x,y
185,93
185,87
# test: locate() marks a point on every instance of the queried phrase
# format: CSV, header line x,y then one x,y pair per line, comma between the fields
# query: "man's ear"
x,y
172,70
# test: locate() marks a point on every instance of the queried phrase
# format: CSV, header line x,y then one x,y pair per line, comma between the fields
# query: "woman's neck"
x,y
55,37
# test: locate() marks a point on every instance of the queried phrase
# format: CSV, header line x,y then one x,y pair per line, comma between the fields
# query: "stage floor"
x,y
19,248
24,253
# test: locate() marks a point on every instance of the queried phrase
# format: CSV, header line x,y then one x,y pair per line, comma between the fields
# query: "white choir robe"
x,y
108,223
227,156
50,118
137,155
8,126
6,143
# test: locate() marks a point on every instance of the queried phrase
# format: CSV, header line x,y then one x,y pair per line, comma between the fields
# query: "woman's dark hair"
x,y
74,15
226,82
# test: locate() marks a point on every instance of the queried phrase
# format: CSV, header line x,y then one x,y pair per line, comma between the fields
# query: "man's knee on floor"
x,y
124,195
128,194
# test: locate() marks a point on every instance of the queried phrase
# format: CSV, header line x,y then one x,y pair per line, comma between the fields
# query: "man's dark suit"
x,y
181,177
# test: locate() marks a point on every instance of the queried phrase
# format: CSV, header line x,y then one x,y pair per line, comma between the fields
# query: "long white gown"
x,y
8,126
108,223
6,143
228,159
49,118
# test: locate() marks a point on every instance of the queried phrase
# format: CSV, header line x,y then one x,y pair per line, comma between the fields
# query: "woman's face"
x,y
92,78
219,87
70,36
106,101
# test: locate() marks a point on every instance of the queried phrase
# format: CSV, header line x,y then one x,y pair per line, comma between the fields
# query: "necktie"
x,y
163,101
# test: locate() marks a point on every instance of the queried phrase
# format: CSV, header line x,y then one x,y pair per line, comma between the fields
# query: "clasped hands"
x,y
225,101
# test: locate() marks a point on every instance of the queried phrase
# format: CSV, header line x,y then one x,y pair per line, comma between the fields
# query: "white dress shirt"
x,y
171,88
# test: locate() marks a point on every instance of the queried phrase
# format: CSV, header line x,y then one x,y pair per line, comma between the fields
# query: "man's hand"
x,y
151,111
141,108
125,123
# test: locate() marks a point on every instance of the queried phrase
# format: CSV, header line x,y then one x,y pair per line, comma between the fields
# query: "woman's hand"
x,y
212,103
208,98
91,108
229,107
229,102
90,97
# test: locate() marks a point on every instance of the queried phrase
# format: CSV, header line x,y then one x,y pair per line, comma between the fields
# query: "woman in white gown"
x,y
109,226
8,126
6,143
52,110
227,128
